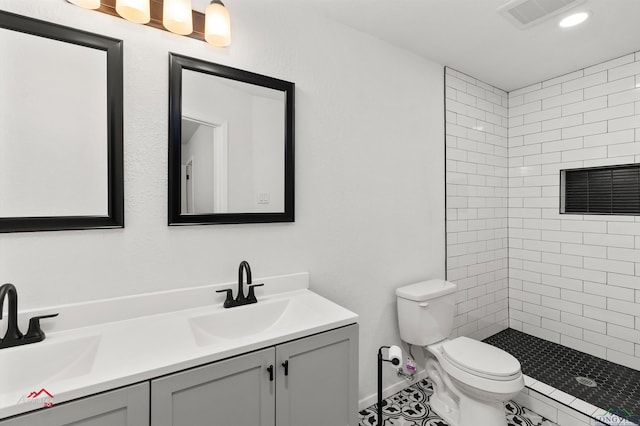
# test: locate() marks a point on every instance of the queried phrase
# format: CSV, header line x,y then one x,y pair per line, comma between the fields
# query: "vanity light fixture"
x,y
217,24
137,11
573,20
176,16
87,4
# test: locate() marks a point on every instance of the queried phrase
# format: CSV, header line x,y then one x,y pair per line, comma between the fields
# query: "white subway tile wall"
x,y
573,279
477,192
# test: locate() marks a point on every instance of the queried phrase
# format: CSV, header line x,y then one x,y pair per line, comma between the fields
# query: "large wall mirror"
x,y
231,145
60,127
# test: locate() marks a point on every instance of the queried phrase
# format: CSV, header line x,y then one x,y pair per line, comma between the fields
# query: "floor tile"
x,y
562,397
528,381
410,407
542,388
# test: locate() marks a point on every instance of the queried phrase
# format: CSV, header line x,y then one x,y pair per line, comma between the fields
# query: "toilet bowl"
x,y
471,379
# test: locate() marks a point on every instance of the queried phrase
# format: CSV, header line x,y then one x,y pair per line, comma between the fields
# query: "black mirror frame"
x,y
113,49
176,64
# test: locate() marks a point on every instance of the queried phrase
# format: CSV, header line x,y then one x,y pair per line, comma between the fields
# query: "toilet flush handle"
x,y
423,304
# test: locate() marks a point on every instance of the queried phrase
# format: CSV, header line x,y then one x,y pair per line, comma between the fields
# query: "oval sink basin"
x,y
237,322
39,365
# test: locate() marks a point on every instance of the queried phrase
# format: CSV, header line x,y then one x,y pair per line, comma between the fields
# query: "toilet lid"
x,y
480,358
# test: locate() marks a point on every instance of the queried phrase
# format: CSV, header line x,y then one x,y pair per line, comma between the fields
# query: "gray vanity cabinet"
x,y
123,407
312,381
321,387
234,392
315,383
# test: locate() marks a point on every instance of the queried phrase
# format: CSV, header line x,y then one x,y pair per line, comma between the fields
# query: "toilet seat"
x,y
481,359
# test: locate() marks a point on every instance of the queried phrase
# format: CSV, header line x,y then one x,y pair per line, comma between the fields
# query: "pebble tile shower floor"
x,y
410,407
617,387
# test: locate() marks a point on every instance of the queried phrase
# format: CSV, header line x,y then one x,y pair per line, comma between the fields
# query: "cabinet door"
x,y
321,387
123,407
234,392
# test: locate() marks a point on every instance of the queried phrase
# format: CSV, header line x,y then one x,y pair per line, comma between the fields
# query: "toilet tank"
x,y
425,311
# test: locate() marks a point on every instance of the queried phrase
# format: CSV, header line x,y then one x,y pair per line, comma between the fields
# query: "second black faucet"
x,y
243,270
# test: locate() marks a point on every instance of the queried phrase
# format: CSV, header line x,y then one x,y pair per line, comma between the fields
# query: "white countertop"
x,y
76,361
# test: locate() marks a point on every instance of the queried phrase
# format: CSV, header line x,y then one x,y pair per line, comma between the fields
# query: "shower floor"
x,y
410,407
616,390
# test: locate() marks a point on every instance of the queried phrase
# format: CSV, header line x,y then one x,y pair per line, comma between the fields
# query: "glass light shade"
x,y
87,4
217,25
176,16
134,10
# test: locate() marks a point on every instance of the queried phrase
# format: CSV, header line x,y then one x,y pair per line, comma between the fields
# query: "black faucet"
x,y
13,336
230,302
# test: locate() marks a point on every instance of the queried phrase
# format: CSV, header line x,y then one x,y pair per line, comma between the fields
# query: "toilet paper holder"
x,y
394,356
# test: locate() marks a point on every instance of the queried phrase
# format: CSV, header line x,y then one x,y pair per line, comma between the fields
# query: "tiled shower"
x,y
569,278
476,178
574,279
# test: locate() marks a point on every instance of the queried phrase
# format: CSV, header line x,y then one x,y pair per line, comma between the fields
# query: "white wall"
x,y
369,174
575,279
477,258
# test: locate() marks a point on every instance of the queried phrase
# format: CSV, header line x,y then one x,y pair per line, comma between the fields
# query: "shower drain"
x,y
586,381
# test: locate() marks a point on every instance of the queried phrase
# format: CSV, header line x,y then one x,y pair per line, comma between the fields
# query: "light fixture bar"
x,y
109,7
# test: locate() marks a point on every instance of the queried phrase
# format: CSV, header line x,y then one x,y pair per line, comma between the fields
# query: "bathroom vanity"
x,y
289,360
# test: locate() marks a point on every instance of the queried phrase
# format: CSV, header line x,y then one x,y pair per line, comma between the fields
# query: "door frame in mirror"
x,y
176,64
114,85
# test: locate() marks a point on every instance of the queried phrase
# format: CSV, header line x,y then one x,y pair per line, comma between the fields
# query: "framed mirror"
x,y
231,145
60,127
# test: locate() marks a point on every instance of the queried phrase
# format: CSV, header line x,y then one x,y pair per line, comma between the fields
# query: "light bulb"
x,y
134,10
573,20
87,4
176,16
217,26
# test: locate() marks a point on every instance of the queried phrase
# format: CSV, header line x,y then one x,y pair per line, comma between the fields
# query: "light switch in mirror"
x,y
231,145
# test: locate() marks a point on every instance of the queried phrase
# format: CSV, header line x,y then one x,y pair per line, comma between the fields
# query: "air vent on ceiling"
x,y
525,13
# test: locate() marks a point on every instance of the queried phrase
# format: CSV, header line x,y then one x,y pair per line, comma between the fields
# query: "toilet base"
x,y
459,408
449,414
481,413
441,400
469,412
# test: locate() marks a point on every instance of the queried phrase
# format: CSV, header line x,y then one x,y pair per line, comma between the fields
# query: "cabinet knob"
x,y
286,367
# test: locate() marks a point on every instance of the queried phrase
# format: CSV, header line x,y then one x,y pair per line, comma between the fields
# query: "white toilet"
x,y
471,379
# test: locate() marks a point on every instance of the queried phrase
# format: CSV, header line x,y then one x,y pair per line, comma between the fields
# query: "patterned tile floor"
x,y
410,407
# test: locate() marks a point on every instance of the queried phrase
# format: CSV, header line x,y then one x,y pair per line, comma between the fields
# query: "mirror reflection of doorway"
x,y
189,187
186,190
204,188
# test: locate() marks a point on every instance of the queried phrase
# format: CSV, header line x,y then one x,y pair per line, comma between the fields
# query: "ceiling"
x,y
472,37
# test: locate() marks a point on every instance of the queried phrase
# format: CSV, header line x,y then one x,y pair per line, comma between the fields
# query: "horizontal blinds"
x,y
605,190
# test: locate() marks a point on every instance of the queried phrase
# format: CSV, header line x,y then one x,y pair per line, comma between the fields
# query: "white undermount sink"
x,y
238,322
278,314
38,365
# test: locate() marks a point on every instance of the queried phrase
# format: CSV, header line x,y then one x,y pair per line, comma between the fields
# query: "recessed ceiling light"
x,y
573,20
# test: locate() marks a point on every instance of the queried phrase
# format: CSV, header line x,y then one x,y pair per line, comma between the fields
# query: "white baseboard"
x,y
390,390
